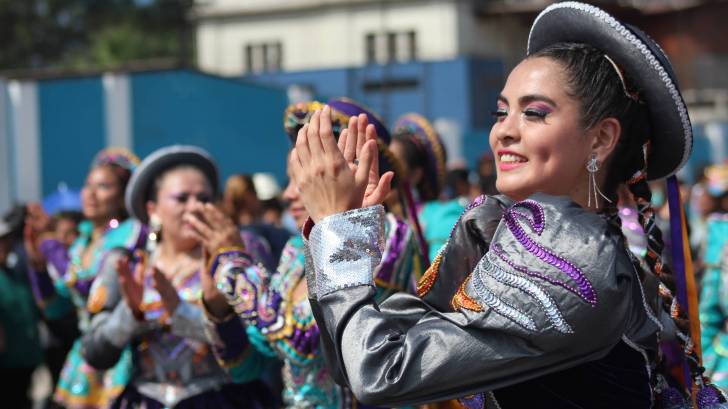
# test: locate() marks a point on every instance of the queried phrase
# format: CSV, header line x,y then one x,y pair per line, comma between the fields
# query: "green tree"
x,y
92,33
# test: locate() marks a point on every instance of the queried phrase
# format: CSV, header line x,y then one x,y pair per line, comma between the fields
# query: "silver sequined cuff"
x,y
346,248
309,269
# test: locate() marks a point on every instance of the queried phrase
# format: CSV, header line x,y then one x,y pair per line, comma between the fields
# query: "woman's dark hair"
x,y
416,157
595,82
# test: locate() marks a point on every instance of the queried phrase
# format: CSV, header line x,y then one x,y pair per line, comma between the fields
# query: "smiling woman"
x,y
150,303
535,302
539,140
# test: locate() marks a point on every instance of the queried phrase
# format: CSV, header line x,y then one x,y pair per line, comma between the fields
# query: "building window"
x,y
391,47
263,57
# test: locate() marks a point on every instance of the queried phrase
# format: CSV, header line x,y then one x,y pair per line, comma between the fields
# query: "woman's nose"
x,y
507,128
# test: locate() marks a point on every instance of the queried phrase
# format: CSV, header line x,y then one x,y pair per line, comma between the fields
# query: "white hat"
x,y
266,186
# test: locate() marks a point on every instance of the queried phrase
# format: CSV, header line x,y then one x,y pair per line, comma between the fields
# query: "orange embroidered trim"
x,y
461,300
428,279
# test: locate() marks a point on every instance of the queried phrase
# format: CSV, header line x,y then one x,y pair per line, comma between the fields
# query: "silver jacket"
x,y
173,358
520,291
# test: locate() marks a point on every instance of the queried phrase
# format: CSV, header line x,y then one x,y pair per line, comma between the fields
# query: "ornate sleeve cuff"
x,y
346,248
228,339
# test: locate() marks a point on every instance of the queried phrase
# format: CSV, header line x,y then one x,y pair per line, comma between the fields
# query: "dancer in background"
x,y
151,302
62,278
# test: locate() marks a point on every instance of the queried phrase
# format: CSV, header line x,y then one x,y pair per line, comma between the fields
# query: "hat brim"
x,y
140,185
644,62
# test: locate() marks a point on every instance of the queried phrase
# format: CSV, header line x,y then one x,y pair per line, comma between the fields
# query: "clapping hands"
x,y
335,177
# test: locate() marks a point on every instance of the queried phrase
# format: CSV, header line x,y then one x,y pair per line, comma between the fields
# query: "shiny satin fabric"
x,y
560,291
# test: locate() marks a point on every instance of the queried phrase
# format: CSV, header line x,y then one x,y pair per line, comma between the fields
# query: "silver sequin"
x,y
346,248
502,307
514,280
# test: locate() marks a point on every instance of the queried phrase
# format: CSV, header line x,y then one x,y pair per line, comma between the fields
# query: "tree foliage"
x,y
92,33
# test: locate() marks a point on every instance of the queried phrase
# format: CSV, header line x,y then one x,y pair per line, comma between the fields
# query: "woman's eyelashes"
x,y
499,113
536,113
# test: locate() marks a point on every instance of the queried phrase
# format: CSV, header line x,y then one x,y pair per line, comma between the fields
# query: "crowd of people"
x,y
558,273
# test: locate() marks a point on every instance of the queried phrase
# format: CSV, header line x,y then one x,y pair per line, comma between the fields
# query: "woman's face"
x,y
295,205
101,196
537,139
179,191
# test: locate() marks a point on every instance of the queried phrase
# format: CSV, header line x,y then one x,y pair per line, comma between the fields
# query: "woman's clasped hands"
x,y
332,176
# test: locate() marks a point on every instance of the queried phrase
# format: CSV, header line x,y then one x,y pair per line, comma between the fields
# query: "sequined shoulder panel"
x,y
524,270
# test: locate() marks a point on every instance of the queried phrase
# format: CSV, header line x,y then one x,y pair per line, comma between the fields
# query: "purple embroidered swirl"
x,y
537,223
498,250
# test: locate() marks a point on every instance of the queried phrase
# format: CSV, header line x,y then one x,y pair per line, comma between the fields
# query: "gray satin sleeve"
x,y
112,324
509,326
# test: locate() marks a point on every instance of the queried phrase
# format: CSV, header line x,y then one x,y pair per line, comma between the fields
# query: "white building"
x,y
236,37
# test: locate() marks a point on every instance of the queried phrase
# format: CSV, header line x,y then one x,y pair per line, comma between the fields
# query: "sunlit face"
x,y
102,195
537,139
295,205
180,190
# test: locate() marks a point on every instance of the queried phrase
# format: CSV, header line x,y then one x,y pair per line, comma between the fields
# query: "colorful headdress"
x,y
423,135
298,114
349,107
118,156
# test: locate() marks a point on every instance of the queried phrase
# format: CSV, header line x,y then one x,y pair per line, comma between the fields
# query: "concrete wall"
x,y
326,37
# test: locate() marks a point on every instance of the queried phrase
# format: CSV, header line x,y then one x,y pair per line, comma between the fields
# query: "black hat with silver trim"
x,y
139,189
644,62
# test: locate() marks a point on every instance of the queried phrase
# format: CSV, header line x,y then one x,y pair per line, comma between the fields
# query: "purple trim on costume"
x,y
233,337
396,243
678,256
56,254
708,397
476,401
671,398
42,284
586,291
676,234
305,341
414,218
498,250
268,309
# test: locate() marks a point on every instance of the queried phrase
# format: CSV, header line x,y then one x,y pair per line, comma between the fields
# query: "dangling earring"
x,y
155,229
592,166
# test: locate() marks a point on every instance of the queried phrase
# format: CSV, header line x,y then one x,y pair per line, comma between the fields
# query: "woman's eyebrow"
x,y
526,99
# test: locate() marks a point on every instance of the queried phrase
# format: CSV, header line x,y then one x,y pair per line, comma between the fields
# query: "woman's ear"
x,y
151,208
606,136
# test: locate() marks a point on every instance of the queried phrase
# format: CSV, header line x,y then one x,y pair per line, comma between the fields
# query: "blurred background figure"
x,y
63,276
241,203
65,226
486,174
20,346
240,200
714,261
